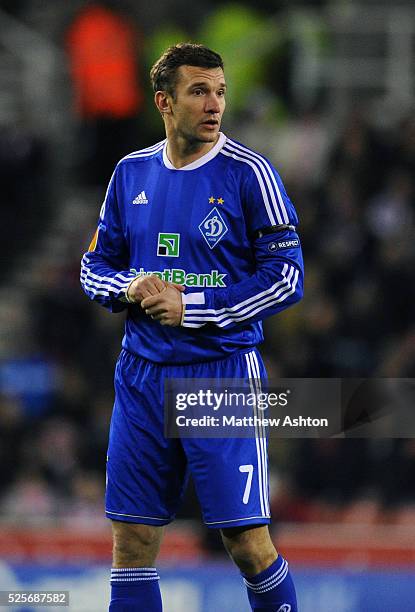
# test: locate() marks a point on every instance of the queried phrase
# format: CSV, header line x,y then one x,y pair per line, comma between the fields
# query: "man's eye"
x,y
198,92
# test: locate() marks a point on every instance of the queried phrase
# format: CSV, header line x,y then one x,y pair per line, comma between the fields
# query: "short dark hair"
x,y
163,74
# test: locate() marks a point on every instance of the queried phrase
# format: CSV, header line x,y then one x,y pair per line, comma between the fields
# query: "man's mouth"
x,y
211,123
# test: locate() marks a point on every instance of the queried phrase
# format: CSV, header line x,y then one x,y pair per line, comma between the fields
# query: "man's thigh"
x,y
146,473
250,536
231,474
231,480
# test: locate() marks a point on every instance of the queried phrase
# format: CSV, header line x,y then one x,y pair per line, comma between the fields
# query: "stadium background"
x,y
326,90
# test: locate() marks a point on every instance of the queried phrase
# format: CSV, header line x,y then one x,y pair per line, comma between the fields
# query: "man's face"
x,y
196,111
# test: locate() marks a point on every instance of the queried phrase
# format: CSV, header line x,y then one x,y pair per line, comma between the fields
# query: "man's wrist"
x,y
183,309
128,298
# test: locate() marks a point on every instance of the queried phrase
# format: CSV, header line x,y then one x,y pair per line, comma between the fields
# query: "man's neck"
x,y
182,152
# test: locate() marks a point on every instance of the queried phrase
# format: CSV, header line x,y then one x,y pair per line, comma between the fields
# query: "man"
x,y
197,239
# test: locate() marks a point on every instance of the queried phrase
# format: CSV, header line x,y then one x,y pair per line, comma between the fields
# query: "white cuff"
x,y
193,298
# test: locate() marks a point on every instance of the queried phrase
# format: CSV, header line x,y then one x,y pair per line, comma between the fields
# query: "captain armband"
x,y
273,229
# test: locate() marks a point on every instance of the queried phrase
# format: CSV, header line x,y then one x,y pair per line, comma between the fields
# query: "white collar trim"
x,y
201,161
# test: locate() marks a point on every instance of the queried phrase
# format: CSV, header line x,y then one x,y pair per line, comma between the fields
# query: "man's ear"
x,y
163,102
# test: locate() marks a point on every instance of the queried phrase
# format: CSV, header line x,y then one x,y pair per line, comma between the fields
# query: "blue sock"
x,y
135,589
273,589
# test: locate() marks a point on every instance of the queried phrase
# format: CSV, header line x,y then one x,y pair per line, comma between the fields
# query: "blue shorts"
x,y
147,473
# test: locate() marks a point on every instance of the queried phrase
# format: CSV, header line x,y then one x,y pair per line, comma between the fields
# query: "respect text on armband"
x,y
190,279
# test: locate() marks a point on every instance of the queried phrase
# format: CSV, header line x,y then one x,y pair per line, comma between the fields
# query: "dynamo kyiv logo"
x,y
213,228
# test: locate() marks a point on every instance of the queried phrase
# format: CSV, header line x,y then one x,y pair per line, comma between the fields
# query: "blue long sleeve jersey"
x,y
203,226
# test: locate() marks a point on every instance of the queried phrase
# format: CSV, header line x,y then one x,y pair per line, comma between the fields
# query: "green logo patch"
x,y
168,245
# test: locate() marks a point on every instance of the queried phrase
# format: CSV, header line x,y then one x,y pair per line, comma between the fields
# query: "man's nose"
x,y
212,104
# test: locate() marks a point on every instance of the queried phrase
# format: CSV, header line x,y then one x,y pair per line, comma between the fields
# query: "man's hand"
x,y
146,286
165,306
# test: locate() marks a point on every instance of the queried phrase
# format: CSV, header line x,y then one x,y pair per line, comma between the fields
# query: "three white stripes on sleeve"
x,y
278,292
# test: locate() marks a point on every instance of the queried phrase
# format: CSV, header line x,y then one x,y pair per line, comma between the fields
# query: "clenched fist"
x,y
144,286
165,306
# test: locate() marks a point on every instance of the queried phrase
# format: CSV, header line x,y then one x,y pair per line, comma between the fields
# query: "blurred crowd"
x,y
352,182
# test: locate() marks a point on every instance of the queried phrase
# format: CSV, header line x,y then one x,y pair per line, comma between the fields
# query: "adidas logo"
x,y
141,198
